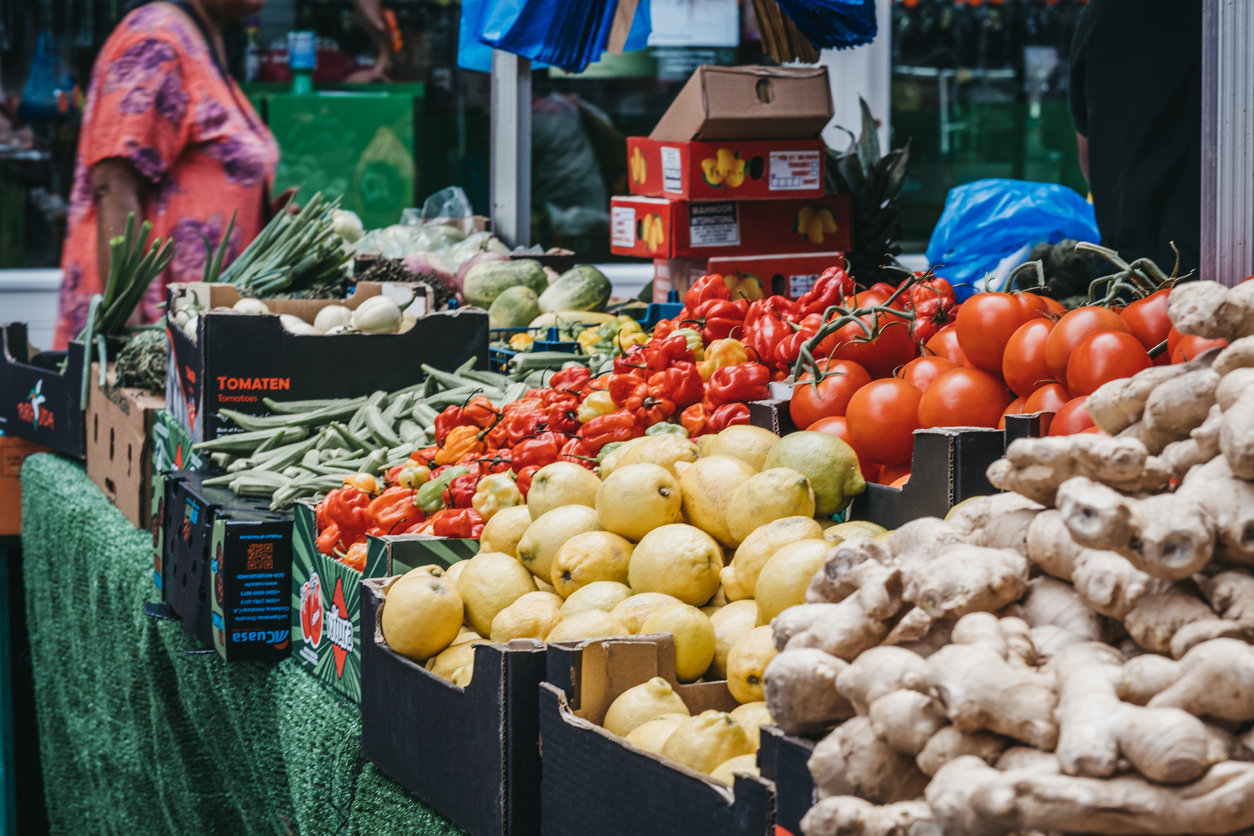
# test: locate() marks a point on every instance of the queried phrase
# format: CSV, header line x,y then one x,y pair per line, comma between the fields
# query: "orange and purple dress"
x,y
158,100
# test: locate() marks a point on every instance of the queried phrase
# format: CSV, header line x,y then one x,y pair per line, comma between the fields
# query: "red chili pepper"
x,y
623,386
660,354
681,384
727,415
693,419
349,509
709,286
329,538
576,451
355,557
394,510
830,288
425,455
462,490
617,426
789,348
523,479
663,329
456,522
717,318
764,328
633,359
448,420
739,384
930,315
522,420
931,287
573,379
563,413
538,451
480,412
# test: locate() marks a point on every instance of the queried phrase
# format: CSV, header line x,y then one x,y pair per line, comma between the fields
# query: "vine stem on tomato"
x,y
806,360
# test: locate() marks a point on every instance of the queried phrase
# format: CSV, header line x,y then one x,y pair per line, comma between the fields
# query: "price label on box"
x,y
795,171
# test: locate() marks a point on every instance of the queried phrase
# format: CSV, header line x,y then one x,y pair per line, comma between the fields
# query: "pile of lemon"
x,y
705,540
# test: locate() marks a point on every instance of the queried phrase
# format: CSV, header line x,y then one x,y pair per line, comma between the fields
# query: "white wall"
x,y
864,71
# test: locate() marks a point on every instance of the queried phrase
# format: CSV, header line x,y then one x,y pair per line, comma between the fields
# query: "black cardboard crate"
x,y
623,790
784,759
772,414
226,569
239,359
471,753
37,402
326,602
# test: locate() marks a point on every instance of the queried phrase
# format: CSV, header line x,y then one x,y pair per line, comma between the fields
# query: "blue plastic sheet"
x,y
836,24
987,221
560,33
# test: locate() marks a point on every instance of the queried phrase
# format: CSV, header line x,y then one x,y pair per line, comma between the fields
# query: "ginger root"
x,y
949,743
1211,310
1117,405
1214,679
905,720
799,687
872,769
848,815
861,619
960,579
877,672
1036,467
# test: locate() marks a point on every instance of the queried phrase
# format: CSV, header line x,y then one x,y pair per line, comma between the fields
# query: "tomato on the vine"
x,y
880,356
838,426
1015,408
963,398
1023,365
1071,418
1188,347
1071,329
921,371
1048,398
830,395
1102,357
1041,304
890,473
882,417
945,344
1147,318
985,324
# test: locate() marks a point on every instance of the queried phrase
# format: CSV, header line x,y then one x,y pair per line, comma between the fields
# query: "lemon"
x,y
693,634
830,464
461,676
707,740
741,577
502,532
543,538
773,494
452,573
451,658
558,484
598,595
532,616
745,442
730,623
679,560
422,613
640,606
726,771
590,556
703,445
786,577
545,586
747,661
640,704
663,450
588,624
612,458
753,716
651,735
841,532
489,583
707,485
637,498
467,634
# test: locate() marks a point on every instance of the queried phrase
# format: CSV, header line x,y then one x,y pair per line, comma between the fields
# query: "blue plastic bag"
x,y
986,222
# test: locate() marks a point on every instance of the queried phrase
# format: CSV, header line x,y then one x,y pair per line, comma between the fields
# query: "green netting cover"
x,y
139,736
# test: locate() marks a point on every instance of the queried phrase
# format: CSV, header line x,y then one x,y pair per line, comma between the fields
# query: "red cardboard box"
x,y
675,274
13,451
731,169
788,275
656,228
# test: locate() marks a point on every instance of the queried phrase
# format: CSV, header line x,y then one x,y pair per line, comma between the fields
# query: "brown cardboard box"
x,y
749,103
119,444
13,451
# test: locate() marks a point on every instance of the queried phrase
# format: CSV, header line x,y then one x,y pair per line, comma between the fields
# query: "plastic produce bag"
x,y
988,222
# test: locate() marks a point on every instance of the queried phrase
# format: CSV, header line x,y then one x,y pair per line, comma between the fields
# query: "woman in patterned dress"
x,y
168,135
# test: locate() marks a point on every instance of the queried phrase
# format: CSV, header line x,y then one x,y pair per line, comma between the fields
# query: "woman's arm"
x,y
116,188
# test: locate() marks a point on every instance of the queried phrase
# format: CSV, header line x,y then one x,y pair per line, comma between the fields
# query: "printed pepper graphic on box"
x,y
726,169
652,231
639,167
814,223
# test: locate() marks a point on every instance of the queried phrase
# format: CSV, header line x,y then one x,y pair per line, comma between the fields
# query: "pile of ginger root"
x,y
1072,656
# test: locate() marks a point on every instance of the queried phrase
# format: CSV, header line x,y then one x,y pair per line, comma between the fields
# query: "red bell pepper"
x,y
575,450
764,328
617,426
457,522
349,509
665,328
448,419
681,383
931,315
572,380
462,490
329,539
522,420
355,557
660,354
394,510
563,413
694,418
523,479
739,384
709,286
727,415
830,288
538,451
718,318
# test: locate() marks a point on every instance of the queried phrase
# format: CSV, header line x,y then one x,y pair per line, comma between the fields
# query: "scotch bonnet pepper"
x,y
740,383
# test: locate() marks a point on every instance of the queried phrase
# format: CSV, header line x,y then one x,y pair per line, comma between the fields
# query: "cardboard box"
x,y
13,451
727,170
120,444
784,759
675,274
751,102
772,414
239,359
654,227
172,445
790,274
37,401
325,608
227,569
622,789
471,753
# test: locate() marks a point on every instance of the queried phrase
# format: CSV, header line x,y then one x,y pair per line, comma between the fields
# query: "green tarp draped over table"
x,y
138,736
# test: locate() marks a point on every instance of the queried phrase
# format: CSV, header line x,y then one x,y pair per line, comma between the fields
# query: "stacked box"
x,y
13,451
120,425
41,392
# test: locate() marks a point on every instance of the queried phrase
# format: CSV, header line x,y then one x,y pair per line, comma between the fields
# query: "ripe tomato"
x,y
1071,418
1048,398
1023,364
1147,318
890,473
900,481
963,398
1104,356
945,344
1015,408
921,371
1189,347
1073,327
1041,304
812,401
932,288
883,355
985,324
882,418
838,426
